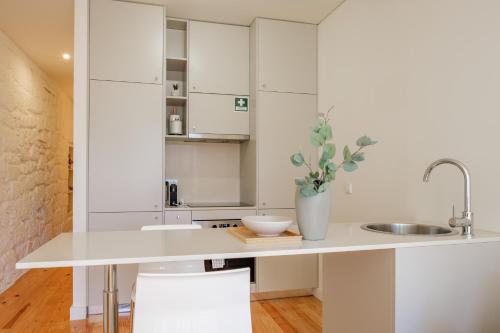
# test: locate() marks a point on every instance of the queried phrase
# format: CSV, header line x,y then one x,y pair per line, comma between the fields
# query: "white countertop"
x,y
129,247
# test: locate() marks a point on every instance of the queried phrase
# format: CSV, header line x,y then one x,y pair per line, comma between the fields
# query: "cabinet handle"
x,y
178,217
156,206
194,87
194,128
156,78
156,217
264,85
263,204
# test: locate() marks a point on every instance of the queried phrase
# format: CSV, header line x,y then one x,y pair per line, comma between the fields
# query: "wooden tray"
x,y
249,237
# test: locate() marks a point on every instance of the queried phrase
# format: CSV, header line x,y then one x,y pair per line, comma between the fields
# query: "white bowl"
x,y
267,226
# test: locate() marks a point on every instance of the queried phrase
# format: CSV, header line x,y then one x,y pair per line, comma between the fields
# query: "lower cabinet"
x,y
126,273
287,273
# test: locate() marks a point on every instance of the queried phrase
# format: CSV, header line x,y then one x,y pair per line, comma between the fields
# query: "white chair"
x,y
211,302
194,266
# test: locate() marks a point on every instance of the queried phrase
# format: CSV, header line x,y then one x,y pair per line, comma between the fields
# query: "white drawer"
x,y
178,217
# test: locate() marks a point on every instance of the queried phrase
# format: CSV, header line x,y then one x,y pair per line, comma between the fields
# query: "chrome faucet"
x,y
465,221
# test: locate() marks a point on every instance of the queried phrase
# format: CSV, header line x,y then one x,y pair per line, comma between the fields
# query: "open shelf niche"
x,y
176,64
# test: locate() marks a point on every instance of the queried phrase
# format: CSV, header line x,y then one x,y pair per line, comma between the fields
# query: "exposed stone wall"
x,y
35,133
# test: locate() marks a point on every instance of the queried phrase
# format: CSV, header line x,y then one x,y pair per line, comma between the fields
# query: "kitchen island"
x,y
371,281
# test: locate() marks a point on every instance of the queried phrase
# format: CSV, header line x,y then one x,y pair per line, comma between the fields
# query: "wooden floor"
x,y
39,302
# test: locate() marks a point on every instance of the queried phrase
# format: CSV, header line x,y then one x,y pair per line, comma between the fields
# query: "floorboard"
x,y
39,302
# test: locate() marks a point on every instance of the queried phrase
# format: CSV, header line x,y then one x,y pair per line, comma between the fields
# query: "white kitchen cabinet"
x,y
286,56
178,217
125,147
287,273
127,274
126,41
283,125
218,58
216,114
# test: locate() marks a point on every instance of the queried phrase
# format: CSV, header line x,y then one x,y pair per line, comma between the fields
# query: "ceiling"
x,y
244,11
44,29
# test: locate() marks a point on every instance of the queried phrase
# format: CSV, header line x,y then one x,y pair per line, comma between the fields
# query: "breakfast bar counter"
x,y
132,247
360,268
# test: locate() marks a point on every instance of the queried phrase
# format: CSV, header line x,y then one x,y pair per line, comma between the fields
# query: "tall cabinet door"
x,y
286,56
125,147
219,58
283,125
127,274
126,41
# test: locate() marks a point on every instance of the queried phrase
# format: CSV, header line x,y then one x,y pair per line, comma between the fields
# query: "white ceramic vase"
x,y
313,214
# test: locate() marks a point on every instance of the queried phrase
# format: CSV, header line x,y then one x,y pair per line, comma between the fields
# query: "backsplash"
x,y
205,172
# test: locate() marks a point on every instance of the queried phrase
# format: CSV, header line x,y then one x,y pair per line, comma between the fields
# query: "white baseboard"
x,y
77,312
318,293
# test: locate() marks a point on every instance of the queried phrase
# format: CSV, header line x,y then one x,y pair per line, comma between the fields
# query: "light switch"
x,y
348,188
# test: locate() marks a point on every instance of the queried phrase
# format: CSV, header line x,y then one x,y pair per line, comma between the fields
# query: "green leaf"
x,y
300,182
316,139
347,154
326,132
323,187
322,163
350,166
365,141
314,175
308,190
358,157
297,159
329,151
331,167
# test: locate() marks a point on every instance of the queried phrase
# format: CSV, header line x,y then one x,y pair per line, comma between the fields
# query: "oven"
x,y
214,265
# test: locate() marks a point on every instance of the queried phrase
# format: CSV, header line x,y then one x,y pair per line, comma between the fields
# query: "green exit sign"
x,y
241,104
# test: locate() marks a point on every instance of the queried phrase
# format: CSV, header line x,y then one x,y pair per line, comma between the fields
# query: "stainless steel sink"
x,y
409,229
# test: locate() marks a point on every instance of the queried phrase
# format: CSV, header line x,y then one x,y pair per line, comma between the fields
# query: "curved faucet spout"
x,y
466,220
465,172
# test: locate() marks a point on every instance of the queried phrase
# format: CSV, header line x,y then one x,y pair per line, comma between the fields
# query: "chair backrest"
x,y
171,227
211,302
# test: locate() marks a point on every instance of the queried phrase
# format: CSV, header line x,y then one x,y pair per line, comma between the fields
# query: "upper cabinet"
x,y
286,56
126,41
215,114
218,58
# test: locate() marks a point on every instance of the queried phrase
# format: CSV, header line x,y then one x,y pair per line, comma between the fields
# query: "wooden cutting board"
x,y
249,237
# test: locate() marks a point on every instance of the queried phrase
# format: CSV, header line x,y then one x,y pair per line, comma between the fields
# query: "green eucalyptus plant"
x,y
317,181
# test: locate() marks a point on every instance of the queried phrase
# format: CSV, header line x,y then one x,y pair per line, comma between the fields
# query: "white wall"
x,y
206,172
422,77
35,135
